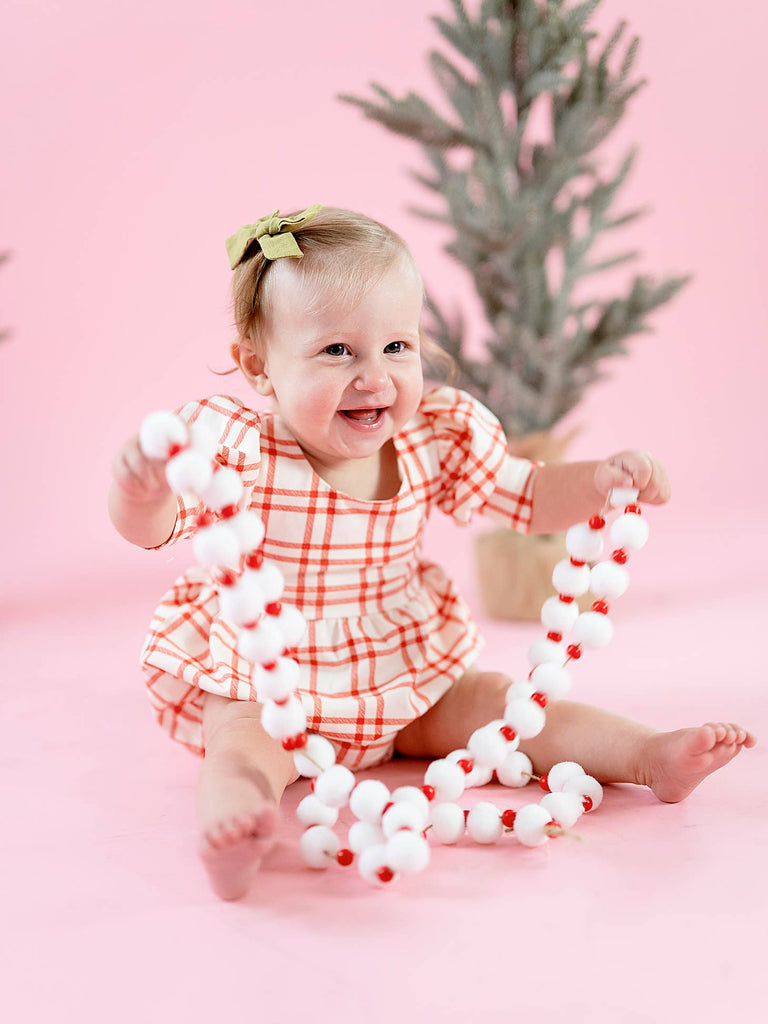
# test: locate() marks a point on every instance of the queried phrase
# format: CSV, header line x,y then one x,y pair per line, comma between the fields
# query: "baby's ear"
x,y
248,357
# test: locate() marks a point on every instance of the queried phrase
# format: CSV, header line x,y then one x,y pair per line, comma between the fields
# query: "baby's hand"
x,y
138,477
634,469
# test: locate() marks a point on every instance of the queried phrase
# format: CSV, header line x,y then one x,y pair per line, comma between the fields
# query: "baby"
x,y
344,472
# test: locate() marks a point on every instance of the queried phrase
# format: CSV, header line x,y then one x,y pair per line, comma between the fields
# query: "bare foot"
x,y
238,817
676,762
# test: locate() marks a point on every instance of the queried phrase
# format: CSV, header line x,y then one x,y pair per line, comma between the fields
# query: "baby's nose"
x,y
372,376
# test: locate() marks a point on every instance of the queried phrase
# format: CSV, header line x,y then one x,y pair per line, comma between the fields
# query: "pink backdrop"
x,y
137,136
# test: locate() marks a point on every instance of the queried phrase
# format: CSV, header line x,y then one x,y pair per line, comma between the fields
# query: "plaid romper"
x,y
387,632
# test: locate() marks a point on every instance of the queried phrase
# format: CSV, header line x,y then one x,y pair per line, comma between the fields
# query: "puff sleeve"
x,y
477,475
237,431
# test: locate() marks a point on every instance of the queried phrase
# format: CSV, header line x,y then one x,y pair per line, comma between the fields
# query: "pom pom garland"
x,y
388,838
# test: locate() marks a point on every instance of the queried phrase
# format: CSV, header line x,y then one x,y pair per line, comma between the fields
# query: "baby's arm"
x,y
567,493
141,504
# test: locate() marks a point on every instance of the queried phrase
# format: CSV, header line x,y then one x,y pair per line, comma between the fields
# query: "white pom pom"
x,y
526,717
315,757
281,721
560,773
319,846
479,775
558,616
554,681
530,822
447,823
189,472
629,531
608,580
292,623
363,834
621,496
216,545
407,852
447,779
404,815
593,629
412,795
565,808
270,580
487,746
264,642
569,579
249,530
277,683
241,602
312,811
368,800
544,650
583,543
225,489
585,786
161,431
516,771
203,440
371,862
334,785
484,823
522,689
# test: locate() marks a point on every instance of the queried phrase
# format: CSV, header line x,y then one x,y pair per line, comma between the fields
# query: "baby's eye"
x,y
395,347
336,349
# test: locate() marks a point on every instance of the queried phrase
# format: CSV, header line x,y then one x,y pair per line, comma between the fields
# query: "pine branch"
x,y
514,202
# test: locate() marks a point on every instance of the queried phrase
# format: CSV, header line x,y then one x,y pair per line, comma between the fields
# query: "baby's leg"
x,y
241,781
607,746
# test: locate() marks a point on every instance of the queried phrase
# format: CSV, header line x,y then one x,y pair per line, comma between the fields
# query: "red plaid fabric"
x,y
387,632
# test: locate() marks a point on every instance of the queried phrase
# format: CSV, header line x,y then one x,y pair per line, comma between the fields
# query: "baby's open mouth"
x,y
362,415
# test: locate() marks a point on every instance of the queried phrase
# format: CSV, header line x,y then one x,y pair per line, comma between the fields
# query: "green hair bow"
x,y
273,233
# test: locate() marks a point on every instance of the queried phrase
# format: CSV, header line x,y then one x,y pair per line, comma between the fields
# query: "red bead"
x,y
228,511
300,741
554,824
175,449
596,523
289,743
508,818
466,765
204,519
577,563
429,792
255,560
312,785
269,666
574,651
345,857
587,804
620,556
566,598
634,510
555,637
273,608
387,806
508,733
385,874
544,783
226,578
601,607
539,698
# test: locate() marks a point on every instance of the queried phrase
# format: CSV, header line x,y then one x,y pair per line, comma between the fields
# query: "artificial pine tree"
x,y
526,214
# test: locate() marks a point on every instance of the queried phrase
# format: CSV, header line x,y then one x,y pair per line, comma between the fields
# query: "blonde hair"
x,y
344,254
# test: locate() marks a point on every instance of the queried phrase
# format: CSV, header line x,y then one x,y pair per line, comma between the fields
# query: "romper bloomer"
x,y
387,632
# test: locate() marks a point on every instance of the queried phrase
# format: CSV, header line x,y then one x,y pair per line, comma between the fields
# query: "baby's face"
x,y
346,379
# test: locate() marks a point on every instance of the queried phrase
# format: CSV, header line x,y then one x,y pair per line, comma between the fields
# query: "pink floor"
x,y
658,916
